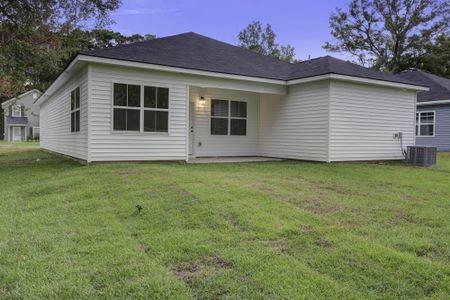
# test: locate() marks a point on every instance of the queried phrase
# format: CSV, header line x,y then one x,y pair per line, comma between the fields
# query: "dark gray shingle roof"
x,y
197,52
439,86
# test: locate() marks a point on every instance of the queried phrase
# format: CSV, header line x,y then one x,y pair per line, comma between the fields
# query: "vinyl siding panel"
x,y
55,134
296,126
364,118
441,140
107,145
219,145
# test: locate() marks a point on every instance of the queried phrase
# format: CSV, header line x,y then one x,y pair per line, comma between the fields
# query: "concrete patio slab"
x,y
237,159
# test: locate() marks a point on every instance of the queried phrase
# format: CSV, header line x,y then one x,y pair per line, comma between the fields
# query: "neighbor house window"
x,y
425,123
129,107
75,110
228,117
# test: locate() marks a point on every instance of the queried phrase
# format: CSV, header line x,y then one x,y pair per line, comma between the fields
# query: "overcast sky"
x,y
302,23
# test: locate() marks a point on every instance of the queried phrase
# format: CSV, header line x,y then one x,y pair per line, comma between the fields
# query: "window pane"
x,y
238,127
77,120
77,97
427,117
219,126
134,95
133,119
156,121
162,123
72,122
219,108
163,98
426,130
239,109
120,119
120,94
150,97
72,100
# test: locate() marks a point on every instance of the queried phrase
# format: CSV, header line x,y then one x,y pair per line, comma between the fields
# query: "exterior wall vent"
x,y
421,156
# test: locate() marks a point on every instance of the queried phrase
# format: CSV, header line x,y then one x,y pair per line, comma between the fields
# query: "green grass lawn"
x,y
284,229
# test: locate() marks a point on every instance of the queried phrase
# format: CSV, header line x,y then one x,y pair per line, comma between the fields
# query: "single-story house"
x,y
433,109
21,117
188,95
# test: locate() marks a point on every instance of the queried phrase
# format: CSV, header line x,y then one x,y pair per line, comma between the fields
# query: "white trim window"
x,y
425,123
127,107
156,109
228,117
75,110
130,113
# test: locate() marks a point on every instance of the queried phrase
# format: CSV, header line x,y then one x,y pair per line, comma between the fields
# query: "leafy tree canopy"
x,y
39,37
262,41
387,34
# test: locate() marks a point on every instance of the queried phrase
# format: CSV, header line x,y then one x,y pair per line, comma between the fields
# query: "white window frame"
x,y
141,109
229,118
14,108
419,122
77,90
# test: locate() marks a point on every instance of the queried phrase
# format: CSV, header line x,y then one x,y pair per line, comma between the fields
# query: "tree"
x,y
380,33
254,38
33,34
434,57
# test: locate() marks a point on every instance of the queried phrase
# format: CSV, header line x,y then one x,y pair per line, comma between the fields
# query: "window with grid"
x,y
228,117
75,110
132,114
156,109
425,123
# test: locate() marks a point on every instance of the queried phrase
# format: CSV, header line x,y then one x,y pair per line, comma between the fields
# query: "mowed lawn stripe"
x,y
254,230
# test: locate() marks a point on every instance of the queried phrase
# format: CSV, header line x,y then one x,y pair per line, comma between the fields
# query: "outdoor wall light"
x,y
202,101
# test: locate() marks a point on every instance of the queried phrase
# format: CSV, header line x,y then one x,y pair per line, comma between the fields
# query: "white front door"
x,y
17,134
191,127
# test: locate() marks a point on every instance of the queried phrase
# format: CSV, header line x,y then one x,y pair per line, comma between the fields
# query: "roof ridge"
x,y
136,43
245,49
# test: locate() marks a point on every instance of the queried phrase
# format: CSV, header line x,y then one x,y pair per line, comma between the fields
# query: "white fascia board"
x,y
64,76
437,102
359,80
125,63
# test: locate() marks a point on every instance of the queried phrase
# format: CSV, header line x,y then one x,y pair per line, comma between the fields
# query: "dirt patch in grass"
x,y
128,171
205,266
280,246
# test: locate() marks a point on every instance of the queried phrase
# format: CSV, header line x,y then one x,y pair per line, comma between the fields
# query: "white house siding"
x,y
106,145
219,145
364,118
296,126
55,134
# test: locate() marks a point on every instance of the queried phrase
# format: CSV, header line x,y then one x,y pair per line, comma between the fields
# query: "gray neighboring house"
x,y
433,109
21,117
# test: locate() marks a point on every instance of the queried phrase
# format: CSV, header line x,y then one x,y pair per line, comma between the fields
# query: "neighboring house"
x,y
433,109
187,95
21,117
